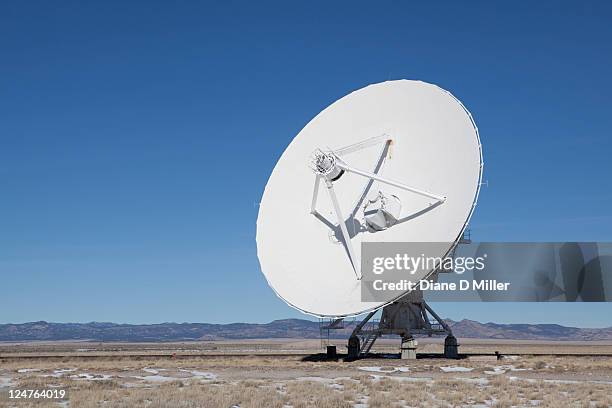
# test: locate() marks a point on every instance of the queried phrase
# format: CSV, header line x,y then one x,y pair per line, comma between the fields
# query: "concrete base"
x,y
451,348
408,348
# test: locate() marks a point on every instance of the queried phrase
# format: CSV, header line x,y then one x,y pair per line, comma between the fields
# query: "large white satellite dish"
x,y
398,161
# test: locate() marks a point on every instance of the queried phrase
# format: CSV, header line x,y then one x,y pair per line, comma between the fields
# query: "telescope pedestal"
x,y
407,317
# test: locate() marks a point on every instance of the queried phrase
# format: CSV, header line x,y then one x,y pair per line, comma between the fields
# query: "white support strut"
x,y
376,177
315,194
345,234
362,145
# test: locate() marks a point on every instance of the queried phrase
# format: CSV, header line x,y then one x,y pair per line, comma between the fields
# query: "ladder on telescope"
x,y
367,344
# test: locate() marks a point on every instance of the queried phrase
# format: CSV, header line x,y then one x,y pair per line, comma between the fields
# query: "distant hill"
x,y
288,328
472,329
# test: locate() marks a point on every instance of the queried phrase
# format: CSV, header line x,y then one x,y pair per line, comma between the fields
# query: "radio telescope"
x,y
397,161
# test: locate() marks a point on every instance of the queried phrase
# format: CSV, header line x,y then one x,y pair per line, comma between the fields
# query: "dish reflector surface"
x,y
410,132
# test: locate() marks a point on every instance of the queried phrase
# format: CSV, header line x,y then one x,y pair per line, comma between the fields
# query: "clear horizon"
x,y
137,141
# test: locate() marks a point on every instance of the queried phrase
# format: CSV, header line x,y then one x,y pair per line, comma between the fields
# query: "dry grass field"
x,y
223,379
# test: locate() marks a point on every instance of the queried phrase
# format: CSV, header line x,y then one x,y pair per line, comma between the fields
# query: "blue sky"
x,y
136,139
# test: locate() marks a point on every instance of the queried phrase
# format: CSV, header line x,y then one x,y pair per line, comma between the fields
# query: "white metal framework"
x,y
330,166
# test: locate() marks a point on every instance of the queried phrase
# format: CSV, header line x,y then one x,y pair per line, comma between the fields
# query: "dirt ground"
x,y
214,374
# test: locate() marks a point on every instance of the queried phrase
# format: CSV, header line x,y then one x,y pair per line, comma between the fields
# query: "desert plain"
x,y
287,373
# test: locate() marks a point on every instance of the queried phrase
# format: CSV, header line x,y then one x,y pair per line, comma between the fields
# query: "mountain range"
x,y
288,328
